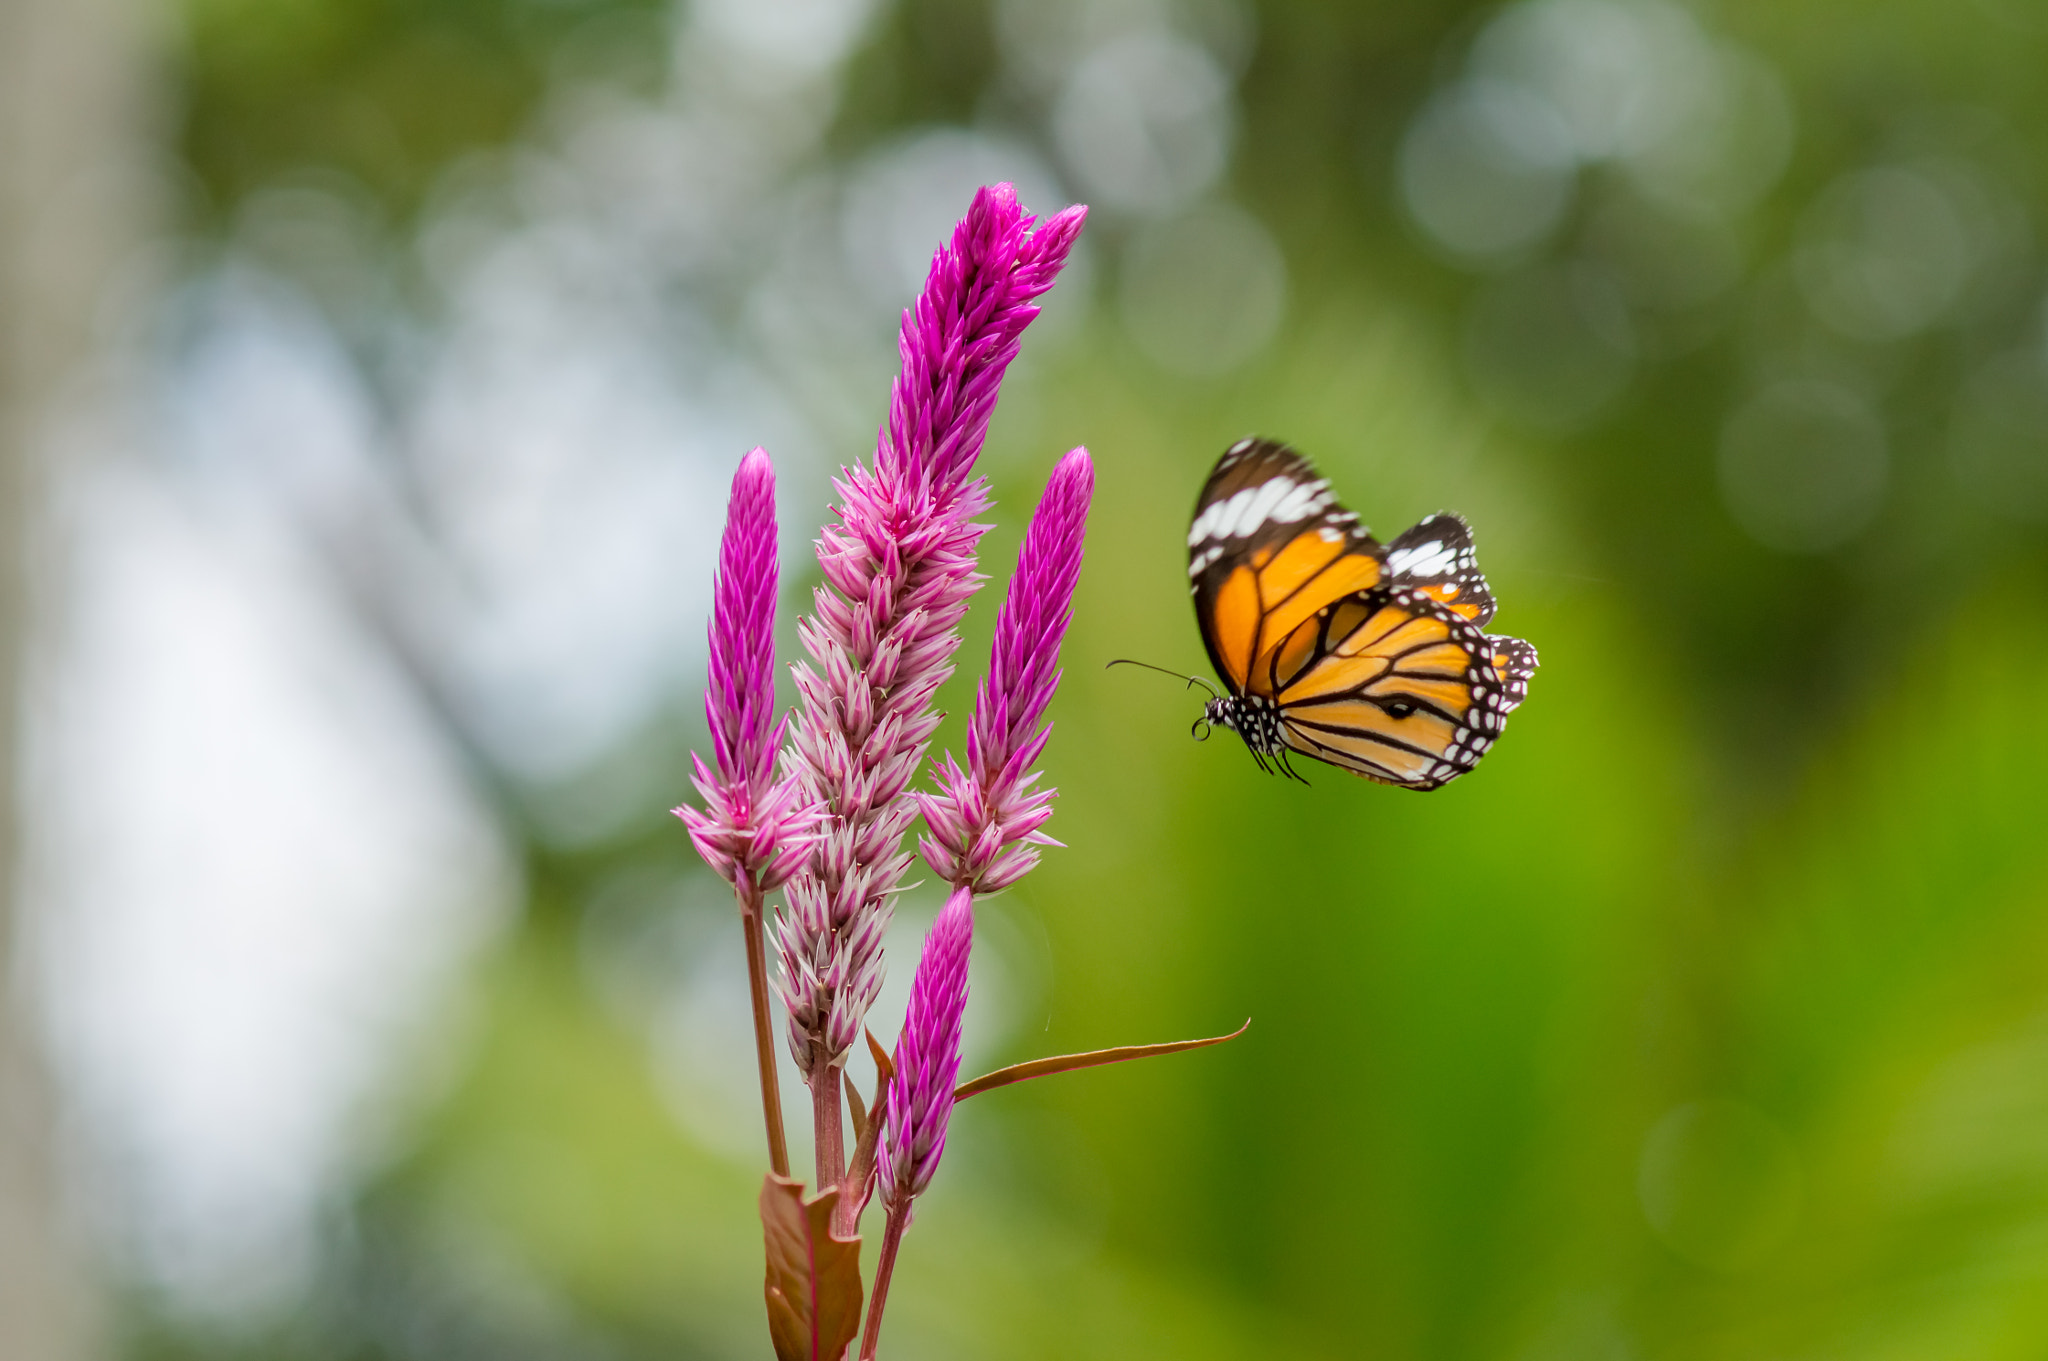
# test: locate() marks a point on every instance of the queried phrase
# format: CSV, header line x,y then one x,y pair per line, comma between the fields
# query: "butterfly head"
x,y
1252,717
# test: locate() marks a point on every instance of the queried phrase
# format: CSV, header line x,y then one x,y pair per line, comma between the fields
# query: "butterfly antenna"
x,y
1191,680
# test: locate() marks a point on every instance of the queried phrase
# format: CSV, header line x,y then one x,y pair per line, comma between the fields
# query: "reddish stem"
x,y
764,1036
885,1266
826,1122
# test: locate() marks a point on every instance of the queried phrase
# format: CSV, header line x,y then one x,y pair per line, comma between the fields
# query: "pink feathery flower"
x,y
920,1101
899,567
984,822
752,830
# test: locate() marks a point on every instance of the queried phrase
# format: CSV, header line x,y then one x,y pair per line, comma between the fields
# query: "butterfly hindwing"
x,y
1400,689
1369,657
1437,556
1515,662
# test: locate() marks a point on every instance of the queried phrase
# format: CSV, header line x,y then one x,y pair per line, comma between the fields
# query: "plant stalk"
x,y
750,900
892,1238
827,1124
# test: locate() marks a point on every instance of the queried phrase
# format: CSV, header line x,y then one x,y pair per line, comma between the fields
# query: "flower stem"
x,y
764,1037
892,1238
827,1124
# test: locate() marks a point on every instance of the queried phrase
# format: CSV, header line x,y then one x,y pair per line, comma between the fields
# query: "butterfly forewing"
x,y
1269,548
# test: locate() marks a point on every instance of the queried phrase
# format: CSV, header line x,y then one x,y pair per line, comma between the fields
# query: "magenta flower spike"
x,y
985,821
899,568
927,1058
753,831
919,1104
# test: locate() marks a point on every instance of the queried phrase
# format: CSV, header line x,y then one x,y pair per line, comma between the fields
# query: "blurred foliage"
x,y
1708,1019
389,91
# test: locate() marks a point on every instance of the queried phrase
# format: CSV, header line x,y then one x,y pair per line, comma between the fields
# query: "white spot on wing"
x,y
1432,559
1299,503
1210,524
1265,499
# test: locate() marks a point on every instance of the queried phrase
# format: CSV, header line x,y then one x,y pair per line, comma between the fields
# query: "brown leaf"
x,y
885,1066
856,1111
1066,1063
860,1170
814,1290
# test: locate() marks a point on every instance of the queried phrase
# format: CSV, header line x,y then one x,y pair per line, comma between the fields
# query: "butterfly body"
x,y
1332,645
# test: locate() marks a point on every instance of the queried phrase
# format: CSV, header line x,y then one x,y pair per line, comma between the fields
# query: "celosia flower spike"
x,y
927,1058
962,333
752,830
985,822
899,568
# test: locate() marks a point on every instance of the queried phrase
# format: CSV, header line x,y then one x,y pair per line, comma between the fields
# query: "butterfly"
x,y
1333,645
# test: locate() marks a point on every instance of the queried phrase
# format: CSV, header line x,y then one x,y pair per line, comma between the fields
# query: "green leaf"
x,y
1066,1063
814,1290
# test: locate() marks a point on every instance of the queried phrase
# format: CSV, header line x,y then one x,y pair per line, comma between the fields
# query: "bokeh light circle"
x,y
1487,169
1803,466
1145,123
1720,1184
1887,253
1204,293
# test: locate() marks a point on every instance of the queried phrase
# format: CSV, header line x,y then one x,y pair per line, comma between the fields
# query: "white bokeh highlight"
x,y
1491,165
1487,169
258,871
1145,123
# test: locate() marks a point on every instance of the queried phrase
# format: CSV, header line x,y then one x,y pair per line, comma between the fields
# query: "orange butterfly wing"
x,y
1397,687
1268,548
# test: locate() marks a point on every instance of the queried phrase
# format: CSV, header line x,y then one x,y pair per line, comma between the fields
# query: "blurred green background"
x,y
1707,1019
